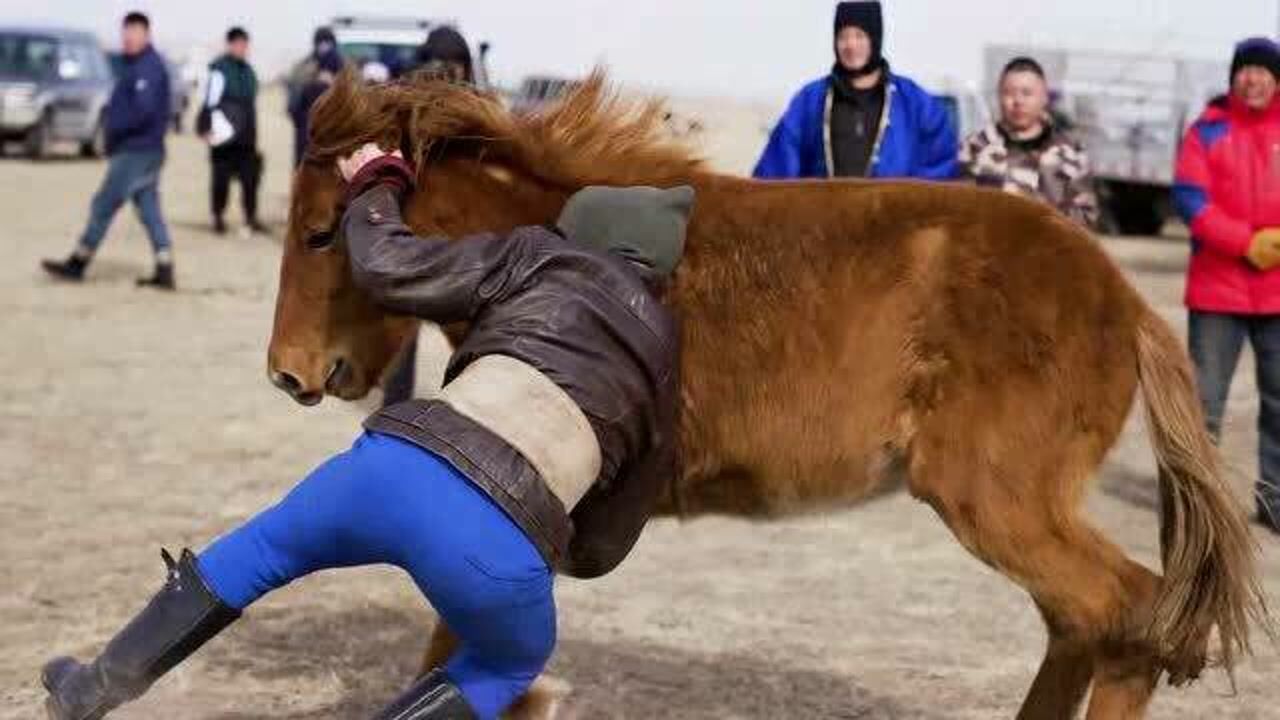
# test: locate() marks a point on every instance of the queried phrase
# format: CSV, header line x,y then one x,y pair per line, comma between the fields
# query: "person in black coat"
x,y
308,82
229,123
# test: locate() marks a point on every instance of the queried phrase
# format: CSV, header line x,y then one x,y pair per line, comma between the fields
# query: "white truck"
x,y
393,42
1131,112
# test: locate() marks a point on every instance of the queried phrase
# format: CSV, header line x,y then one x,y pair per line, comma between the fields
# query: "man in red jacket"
x,y
1228,191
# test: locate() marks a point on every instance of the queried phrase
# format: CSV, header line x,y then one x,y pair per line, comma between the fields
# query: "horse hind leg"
x,y
1123,684
1123,677
1063,678
1094,600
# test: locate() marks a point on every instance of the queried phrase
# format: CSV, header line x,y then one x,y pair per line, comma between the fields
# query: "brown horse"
x,y
839,337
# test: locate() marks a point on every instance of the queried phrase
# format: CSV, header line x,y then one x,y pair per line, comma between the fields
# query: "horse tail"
x,y
1208,554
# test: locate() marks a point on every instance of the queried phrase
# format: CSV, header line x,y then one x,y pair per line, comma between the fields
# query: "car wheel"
x,y
96,146
39,139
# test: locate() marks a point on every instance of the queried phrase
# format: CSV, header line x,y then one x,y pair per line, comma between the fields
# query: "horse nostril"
x,y
336,369
288,382
337,375
309,398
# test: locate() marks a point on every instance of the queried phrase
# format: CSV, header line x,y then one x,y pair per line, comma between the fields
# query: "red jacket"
x,y
1227,189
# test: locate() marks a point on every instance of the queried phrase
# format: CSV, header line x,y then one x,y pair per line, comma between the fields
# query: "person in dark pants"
x,y
1228,190
307,82
546,451
136,120
229,123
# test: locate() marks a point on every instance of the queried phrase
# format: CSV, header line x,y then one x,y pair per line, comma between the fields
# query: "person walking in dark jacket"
x,y
862,119
229,123
307,82
546,451
136,119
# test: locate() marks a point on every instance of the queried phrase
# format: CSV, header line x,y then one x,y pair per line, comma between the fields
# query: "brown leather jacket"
x,y
585,320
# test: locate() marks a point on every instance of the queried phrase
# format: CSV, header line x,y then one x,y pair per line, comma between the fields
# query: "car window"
x,y
28,57
395,57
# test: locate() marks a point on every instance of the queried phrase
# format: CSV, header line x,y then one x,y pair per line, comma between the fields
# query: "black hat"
x,y
445,46
864,15
323,35
1259,51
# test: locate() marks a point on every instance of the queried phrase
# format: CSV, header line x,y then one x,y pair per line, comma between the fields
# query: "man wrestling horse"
x,y
544,452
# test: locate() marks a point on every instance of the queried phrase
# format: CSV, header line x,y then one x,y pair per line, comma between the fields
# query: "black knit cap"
x,y
864,15
446,45
324,34
1259,51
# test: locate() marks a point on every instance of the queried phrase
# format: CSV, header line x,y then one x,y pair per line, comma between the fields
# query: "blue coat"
x,y
138,112
918,140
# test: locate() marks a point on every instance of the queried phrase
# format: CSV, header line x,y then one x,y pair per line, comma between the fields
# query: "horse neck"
x,y
461,197
465,195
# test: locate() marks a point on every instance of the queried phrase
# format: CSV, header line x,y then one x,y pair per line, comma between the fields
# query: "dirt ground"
x,y
131,420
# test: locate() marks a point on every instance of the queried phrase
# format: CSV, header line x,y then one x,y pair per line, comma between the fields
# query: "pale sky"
x,y
752,49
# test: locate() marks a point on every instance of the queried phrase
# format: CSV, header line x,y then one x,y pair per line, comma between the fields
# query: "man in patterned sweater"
x,y
1025,153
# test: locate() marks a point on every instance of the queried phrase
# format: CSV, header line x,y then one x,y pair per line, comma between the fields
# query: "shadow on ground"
x,y
372,652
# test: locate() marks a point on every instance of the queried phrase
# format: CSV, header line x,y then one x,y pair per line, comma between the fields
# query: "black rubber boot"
x,y
431,698
71,269
257,227
219,226
161,279
178,620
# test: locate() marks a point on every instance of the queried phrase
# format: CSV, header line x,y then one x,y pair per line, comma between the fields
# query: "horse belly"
x,y
798,442
761,492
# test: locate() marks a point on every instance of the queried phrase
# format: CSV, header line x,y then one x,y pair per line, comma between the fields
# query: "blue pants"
x,y
388,501
131,175
1216,341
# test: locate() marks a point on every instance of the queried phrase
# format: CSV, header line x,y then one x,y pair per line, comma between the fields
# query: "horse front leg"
x,y
544,700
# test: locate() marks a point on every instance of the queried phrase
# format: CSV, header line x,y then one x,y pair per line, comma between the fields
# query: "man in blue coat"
x,y
862,120
136,119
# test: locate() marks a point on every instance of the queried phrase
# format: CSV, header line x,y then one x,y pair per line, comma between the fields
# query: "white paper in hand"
x,y
220,129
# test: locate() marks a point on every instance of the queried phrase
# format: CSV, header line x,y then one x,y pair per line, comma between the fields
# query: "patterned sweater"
x,y
1052,167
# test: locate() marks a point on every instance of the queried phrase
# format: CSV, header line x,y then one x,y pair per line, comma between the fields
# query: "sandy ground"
x,y
131,420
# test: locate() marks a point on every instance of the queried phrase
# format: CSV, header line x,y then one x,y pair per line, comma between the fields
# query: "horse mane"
x,y
592,136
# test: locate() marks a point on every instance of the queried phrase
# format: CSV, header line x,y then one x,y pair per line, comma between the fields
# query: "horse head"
x,y
480,168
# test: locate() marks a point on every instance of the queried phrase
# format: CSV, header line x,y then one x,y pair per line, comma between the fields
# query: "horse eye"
x,y
320,240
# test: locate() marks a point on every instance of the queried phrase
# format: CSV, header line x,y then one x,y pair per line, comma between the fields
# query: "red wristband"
x,y
387,170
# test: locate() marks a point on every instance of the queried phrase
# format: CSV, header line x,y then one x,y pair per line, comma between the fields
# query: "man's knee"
x,y
492,687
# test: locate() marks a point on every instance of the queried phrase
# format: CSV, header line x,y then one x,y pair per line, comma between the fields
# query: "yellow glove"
x,y
1264,250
